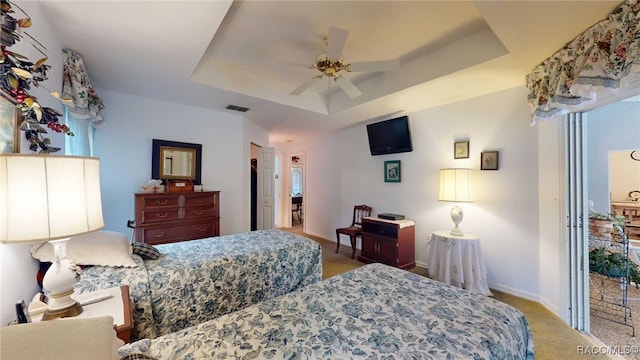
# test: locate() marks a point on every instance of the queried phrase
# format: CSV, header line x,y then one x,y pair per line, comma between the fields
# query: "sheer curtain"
x,y
602,64
83,106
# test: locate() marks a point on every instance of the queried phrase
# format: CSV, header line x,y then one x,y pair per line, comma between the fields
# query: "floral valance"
x,y
76,85
604,59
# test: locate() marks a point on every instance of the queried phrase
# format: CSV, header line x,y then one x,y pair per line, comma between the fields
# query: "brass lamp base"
x,y
73,310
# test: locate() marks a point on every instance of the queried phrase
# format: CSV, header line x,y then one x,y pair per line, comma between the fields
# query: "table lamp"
x,y
455,186
50,198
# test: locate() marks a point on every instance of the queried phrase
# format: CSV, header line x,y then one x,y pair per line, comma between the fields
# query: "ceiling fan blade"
x,y
286,62
307,84
337,38
382,65
348,87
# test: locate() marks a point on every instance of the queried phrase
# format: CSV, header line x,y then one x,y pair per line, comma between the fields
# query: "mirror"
x,y
176,161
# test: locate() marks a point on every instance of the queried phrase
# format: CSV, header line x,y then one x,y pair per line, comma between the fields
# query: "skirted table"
x,y
458,261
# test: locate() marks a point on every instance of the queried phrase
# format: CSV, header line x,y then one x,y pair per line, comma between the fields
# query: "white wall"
x,y
17,268
340,172
552,265
124,149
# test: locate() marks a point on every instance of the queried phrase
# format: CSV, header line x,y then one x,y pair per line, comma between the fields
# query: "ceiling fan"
x,y
331,65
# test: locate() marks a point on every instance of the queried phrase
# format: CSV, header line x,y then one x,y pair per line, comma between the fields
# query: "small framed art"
x,y
489,160
392,171
9,124
461,150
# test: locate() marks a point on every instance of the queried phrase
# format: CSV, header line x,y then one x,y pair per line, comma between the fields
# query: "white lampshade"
x,y
45,197
455,186
50,198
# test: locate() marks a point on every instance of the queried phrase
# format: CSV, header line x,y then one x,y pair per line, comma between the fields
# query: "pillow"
x,y
106,248
145,251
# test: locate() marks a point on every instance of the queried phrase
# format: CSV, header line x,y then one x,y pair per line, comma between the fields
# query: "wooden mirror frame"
x,y
156,161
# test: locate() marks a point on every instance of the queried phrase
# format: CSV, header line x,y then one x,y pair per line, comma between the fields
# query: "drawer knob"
x,y
162,202
159,235
203,229
162,215
198,200
199,212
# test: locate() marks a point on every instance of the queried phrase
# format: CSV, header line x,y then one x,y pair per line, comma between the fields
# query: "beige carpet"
x,y
552,338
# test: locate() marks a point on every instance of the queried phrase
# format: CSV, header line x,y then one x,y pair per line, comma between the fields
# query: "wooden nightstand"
x,y
118,306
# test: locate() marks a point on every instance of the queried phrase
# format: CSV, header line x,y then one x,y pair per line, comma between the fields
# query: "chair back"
x,y
359,212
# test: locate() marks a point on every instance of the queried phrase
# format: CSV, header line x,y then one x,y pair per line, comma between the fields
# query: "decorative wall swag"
x,y
18,74
603,60
76,85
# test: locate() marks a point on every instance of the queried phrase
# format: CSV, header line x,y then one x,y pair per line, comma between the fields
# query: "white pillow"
x,y
106,248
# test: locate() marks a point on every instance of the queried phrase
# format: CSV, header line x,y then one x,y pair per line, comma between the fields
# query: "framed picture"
x,y
461,150
489,160
9,124
392,171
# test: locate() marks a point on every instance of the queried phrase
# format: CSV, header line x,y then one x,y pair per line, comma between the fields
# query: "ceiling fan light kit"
x,y
331,64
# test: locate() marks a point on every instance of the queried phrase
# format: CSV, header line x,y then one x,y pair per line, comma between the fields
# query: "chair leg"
x,y
338,242
353,247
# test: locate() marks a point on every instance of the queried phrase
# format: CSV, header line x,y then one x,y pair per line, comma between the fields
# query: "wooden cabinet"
x,y
388,242
172,217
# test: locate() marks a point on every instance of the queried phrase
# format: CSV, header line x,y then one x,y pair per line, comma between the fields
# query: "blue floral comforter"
x,y
199,280
373,312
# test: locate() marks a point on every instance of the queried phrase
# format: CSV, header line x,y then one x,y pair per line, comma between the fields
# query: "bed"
x,y
195,281
373,312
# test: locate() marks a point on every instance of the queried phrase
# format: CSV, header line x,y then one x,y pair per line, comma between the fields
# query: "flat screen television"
x,y
390,136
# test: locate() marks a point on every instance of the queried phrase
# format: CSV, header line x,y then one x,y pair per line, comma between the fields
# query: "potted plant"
x,y
613,264
601,225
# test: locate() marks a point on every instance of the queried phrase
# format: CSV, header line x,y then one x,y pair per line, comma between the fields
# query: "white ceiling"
x,y
212,53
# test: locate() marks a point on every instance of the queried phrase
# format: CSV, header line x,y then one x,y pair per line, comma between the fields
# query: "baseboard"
x,y
516,292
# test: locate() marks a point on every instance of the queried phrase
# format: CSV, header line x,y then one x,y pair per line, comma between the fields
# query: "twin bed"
x,y
199,280
373,312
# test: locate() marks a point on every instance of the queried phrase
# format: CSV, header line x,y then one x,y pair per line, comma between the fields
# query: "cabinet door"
x,y
369,246
388,251
380,249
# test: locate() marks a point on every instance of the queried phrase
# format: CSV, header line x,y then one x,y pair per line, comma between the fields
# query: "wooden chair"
x,y
355,230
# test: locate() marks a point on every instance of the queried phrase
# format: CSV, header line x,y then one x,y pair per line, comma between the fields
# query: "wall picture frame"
x,y
461,149
392,171
9,124
489,160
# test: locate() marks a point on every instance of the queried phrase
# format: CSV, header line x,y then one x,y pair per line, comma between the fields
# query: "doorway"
x,y
611,133
297,190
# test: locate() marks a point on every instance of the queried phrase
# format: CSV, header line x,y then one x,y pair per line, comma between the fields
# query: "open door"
x,y
266,187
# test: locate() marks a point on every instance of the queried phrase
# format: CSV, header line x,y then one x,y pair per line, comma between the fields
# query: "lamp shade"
x,y
455,185
45,197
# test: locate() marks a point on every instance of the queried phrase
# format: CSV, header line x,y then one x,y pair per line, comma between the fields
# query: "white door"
x,y
266,187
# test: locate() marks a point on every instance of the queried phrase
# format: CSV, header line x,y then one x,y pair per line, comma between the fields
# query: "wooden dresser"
x,y
389,242
172,217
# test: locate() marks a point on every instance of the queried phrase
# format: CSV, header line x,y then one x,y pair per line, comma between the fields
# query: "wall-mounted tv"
x,y
390,136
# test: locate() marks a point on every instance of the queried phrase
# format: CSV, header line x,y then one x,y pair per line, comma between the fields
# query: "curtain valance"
x,y
604,59
76,85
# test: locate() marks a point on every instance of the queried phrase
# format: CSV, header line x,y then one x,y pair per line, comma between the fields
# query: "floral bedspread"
x,y
373,312
199,280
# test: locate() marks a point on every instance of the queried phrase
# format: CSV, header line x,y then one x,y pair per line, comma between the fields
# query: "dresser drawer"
x,y
159,201
161,235
197,199
150,216
198,212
